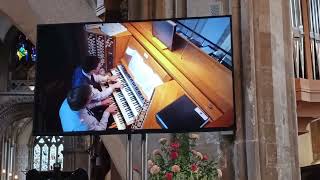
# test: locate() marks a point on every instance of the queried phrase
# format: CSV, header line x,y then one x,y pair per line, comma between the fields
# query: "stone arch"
x,y
21,16
6,24
13,109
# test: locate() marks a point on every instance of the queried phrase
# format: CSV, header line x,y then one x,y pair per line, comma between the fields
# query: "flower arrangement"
x,y
179,160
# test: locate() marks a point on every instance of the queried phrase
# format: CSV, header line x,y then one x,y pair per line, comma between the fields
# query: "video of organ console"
x,y
147,76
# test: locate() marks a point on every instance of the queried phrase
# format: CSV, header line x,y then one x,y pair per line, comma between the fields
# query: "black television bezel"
x,y
229,130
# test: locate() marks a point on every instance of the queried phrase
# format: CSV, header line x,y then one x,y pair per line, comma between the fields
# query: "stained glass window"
x,y
36,157
44,155
53,155
23,58
47,150
60,156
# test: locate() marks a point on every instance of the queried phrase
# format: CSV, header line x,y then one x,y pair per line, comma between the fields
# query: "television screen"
x,y
114,77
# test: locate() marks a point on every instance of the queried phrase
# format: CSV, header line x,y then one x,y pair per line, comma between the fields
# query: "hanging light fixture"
x,y
15,176
3,171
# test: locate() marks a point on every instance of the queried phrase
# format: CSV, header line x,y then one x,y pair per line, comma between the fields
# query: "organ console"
x,y
154,77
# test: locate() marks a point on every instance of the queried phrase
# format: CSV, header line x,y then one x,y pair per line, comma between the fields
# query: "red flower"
x,y
169,176
205,157
194,168
174,155
175,145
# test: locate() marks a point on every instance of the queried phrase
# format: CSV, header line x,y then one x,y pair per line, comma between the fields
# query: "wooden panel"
x,y
121,43
308,109
163,96
315,139
226,120
184,82
209,76
307,90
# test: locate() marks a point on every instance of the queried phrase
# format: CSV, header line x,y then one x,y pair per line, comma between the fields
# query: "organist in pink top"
x,y
75,113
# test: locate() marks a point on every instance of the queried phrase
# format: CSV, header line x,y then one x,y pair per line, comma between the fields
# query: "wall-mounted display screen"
x,y
106,78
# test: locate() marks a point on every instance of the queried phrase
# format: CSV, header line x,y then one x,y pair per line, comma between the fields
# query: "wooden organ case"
x,y
100,45
184,71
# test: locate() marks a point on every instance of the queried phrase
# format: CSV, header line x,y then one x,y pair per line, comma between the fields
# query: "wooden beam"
x,y
307,90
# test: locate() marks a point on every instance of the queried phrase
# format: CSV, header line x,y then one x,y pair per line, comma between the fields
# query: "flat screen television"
x,y
114,78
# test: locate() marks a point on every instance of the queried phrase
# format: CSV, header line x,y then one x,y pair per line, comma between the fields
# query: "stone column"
x,y
3,157
268,90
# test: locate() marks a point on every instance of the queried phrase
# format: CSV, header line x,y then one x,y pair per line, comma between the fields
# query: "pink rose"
x,y
205,157
175,145
175,168
169,176
150,164
194,152
174,155
194,168
154,169
156,152
199,155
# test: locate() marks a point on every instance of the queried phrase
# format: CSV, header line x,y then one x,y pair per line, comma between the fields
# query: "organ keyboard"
x,y
118,118
129,99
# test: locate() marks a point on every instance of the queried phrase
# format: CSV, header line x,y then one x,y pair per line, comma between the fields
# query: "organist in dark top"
x,y
85,107
88,73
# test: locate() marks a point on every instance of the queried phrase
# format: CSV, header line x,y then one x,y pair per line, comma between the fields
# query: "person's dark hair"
x,y
90,63
78,97
33,174
79,174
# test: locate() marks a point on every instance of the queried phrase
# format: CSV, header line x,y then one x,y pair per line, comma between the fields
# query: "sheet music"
x,y
112,29
92,26
143,74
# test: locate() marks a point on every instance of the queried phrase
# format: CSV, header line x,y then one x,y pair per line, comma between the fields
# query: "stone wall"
x,y
265,143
